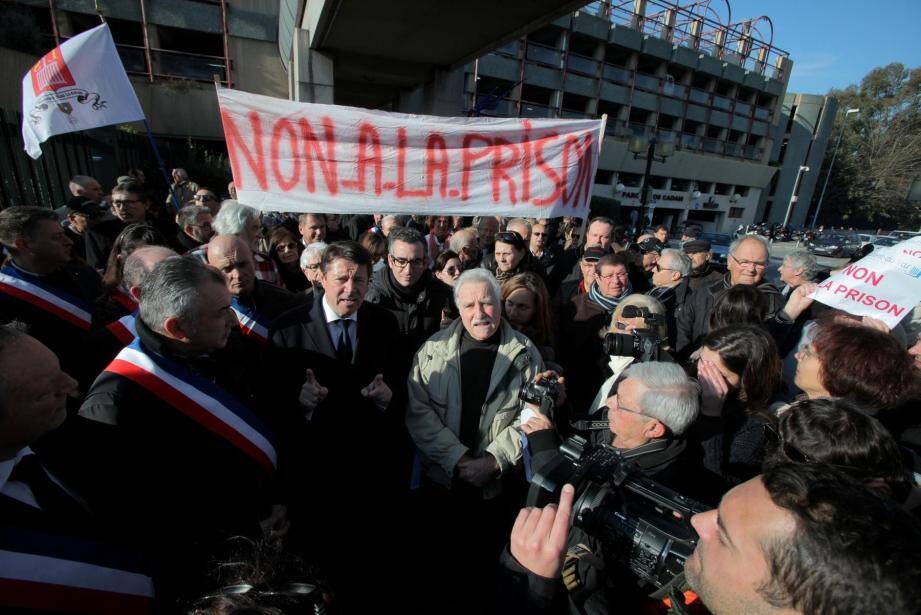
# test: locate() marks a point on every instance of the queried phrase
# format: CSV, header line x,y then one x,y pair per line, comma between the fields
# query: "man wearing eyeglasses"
x,y
194,228
206,198
670,287
749,257
407,289
129,207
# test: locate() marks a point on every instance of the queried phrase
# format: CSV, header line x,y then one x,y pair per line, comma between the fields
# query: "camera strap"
x,y
577,554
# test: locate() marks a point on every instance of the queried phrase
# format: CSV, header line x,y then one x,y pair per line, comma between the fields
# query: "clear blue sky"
x,y
834,43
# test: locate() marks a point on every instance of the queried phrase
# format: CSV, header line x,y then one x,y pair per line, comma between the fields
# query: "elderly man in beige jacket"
x,y
462,415
463,390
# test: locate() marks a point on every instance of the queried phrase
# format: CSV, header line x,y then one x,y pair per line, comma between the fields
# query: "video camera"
x,y
640,523
641,344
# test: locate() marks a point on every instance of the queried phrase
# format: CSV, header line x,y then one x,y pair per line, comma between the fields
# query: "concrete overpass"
x,y
373,54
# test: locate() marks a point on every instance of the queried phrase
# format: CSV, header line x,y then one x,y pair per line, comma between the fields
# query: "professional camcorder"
x,y
642,344
641,524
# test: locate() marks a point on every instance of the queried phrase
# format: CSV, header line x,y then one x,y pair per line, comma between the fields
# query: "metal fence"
x,y
102,153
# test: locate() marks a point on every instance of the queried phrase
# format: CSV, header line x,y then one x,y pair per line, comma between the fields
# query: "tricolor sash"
x,y
33,290
202,401
250,324
124,329
47,572
123,299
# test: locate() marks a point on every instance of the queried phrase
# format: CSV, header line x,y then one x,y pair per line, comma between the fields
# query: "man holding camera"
x,y
462,416
650,408
800,538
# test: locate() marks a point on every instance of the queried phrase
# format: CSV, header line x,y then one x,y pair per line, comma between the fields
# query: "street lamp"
x,y
834,155
793,197
655,149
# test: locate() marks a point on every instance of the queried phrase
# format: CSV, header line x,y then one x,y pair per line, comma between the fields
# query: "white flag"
x,y
78,85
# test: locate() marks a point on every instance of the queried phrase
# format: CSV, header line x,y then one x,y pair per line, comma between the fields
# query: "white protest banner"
x,y
301,157
78,85
885,284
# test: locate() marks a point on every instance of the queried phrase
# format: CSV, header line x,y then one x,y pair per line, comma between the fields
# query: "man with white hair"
x,y
466,244
462,415
235,218
470,438
310,264
749,257
182,189
798,267
670,286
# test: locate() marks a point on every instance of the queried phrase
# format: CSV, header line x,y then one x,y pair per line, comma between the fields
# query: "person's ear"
x,y
174,329
21,244
656,430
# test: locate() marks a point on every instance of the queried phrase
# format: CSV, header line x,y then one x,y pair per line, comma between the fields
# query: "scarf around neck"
x,y
609,304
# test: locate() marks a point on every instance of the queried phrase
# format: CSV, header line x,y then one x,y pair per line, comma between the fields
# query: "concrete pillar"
x,y
311,75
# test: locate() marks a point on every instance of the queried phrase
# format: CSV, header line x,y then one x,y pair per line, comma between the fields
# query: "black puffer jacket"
x,y
694,320
417,309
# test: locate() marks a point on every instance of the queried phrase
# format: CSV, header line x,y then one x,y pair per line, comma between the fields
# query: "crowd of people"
x,y
342,395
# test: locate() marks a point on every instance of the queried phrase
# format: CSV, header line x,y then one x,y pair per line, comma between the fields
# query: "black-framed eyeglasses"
x,y
204,197
403,262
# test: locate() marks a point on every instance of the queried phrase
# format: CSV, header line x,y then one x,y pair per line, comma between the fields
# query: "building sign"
x,y
302,157
661,196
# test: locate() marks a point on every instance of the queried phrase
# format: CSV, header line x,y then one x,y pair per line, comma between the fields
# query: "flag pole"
x,y
150,139
161,166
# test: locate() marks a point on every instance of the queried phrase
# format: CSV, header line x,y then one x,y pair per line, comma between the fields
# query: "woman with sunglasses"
x,y
510,257
739,372
285,251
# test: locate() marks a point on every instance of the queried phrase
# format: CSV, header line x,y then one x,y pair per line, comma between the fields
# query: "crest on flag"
x,y
51,73
78,85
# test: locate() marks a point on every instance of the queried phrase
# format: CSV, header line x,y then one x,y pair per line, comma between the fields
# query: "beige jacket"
x,y
433,414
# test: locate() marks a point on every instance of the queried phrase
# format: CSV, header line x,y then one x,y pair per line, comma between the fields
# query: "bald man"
x,y
257,303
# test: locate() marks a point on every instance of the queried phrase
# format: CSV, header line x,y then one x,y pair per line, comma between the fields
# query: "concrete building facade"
x,y
800,139
713,92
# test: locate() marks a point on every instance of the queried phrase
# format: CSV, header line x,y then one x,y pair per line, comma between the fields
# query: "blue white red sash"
x,y
200,400
250,324
123,299
33,290
45,572
124,328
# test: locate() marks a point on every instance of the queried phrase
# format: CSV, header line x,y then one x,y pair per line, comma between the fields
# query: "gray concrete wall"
x,y
807,141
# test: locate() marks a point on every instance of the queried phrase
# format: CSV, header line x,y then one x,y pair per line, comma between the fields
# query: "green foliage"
x,y
880,153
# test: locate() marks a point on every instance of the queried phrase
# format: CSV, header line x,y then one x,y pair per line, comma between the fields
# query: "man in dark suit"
x,y
179,420
40,514
352,447
40,289
129,207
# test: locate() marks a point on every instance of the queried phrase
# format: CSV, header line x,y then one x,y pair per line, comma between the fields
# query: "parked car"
x,y
903,235
838,246
719,245
886,241
865,238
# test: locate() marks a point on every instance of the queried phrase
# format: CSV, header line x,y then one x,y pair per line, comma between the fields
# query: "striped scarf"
x,y
609,304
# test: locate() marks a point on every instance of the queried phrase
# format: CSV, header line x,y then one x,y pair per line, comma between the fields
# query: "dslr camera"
x,y
542,394
641,344
641,524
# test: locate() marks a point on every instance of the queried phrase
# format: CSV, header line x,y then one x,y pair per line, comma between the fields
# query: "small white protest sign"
x,y
885,284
